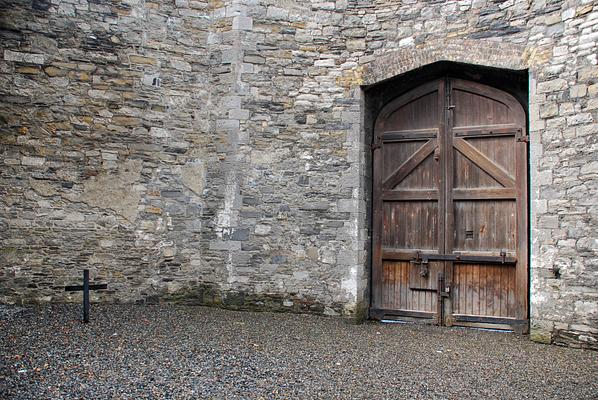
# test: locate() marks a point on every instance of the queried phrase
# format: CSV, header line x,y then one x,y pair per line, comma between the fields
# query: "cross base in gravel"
x,y
85,288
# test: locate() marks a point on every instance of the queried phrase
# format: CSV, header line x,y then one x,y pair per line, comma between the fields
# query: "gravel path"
x,y
173,352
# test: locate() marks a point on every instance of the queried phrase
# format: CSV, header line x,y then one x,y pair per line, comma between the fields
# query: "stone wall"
x,y
105,118
215,151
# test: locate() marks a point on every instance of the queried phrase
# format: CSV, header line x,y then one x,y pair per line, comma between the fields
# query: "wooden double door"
x,y
450,235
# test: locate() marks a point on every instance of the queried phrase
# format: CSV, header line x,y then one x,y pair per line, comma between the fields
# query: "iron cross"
x,y
85,288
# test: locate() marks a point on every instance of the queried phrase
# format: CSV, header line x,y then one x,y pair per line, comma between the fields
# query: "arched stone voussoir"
x,y
478,52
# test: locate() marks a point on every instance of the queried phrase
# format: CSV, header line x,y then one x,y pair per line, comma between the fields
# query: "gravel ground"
x,y
174,352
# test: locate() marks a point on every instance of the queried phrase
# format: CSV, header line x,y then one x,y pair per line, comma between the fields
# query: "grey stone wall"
x,y
215,151
106,138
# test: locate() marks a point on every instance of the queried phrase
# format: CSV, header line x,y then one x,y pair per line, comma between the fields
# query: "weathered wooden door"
x,y
450,207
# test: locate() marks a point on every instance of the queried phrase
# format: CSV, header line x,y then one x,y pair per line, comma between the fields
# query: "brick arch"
x,y
478,52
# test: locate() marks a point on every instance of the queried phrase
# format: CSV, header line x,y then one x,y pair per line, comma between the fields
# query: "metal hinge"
x,y
375,146
520,136
450,107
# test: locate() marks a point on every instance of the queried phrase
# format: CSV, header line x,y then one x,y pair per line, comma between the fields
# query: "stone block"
x,y
28,70
30,58
229,56
242,23
568,14
180,65
171,194
356,44
239,114
549,110
406,42
276,13
278,259
590,168
139,59
328,62
225,245
293,72
126,121
262,229
347,205
240,234
33,161
53,71
227,125
580,118
540,335
578,91
159,132
254,59
552,86
549,221
316,206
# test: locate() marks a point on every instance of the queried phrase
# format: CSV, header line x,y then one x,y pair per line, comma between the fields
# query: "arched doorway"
x,y
450,235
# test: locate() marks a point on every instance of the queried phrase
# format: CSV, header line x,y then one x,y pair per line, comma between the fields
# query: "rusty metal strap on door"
x,y
422,258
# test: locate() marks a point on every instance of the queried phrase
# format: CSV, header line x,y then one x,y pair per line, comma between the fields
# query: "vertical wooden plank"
x,y
408,292
470,278
483,288
384,288
507,285
499,290
402,297
391,284
377,217
475,297
512,293
398,288
459,292
490,291
428,296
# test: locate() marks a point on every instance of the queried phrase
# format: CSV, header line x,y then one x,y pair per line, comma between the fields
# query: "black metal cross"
x,y
85,288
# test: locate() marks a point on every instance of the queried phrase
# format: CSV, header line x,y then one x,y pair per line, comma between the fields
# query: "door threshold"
x,y
477,328
408,320
396,321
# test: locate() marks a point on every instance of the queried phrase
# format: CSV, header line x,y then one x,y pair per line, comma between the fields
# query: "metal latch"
x,y
503,255
443,289
424,268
